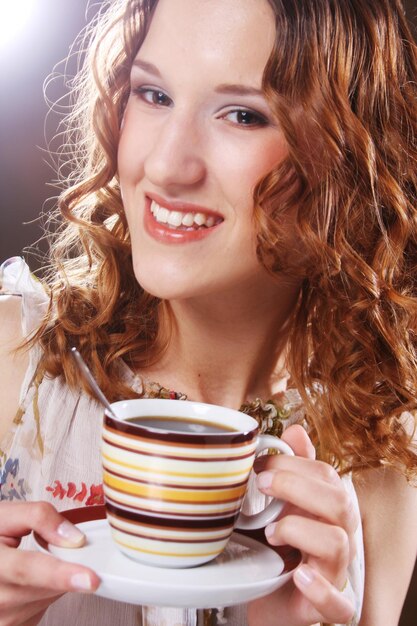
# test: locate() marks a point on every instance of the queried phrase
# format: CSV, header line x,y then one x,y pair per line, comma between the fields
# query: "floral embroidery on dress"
x,y
11,486
90,496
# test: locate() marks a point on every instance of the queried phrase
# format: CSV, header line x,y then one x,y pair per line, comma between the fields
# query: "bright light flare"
x,y
14,17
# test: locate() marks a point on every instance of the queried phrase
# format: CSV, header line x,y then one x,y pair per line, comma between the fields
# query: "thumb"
x,y
299,441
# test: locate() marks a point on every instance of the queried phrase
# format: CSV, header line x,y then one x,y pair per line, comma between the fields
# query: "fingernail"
x,y
81,582
304,575
265,480
269,530
70,533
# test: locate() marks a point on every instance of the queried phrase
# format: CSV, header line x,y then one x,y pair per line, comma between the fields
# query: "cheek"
x,y
129,159
131,152
130,173
247,164
270,155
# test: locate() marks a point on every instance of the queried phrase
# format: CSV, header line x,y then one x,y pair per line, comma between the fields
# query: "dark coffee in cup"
x,y
175,424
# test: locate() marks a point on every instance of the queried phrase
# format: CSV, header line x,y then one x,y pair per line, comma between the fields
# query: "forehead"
x,y
230,36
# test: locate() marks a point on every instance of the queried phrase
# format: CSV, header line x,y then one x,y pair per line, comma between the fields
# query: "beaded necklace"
x,y
272,415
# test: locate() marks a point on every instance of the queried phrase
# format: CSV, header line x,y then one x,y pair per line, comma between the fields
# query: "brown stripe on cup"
x,y
199,459
172,513
173,539
171,523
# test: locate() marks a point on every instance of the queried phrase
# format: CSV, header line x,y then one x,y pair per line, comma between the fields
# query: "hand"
x,y
319,519
31,581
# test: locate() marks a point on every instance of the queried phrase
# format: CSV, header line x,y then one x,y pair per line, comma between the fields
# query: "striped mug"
x,y
175,475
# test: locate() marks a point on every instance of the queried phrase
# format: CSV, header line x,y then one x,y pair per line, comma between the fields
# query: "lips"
x,y
178,222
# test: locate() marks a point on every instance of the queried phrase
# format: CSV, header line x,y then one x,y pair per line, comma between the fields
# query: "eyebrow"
x,y
226,88
147,67
239,90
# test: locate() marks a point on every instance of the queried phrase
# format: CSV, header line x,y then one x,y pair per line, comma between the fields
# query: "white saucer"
x,y
246,570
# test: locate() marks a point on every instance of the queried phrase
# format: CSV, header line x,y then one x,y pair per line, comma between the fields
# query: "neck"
x,y
225,350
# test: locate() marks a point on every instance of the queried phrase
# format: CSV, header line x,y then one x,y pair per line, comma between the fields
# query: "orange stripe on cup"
x,y
156,492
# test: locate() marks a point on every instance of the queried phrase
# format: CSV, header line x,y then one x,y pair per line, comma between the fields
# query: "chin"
x,y
173,290
161,281
162,287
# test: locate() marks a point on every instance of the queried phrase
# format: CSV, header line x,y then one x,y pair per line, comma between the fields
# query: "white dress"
x,y
53,454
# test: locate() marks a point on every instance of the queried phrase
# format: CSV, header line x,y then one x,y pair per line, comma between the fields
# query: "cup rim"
x,y
187,435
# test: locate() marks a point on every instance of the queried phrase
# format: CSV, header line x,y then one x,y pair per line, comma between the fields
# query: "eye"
x,y
245,117
153,96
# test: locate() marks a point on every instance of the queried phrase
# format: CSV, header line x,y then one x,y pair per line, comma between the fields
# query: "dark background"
x,y
25,176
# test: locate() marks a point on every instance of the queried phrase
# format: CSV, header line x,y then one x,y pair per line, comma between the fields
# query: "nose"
x,y
176,158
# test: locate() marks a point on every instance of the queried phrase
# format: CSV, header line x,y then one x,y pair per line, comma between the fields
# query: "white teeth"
x,y
176,218
188,219
161,215
200,219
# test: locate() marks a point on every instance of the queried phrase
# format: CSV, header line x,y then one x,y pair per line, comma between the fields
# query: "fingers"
x,y
329,544
296,437
25,614
305,467
325,598
12,542
41,571
35,619
299,441
319,519
323,499
30,581
313,491
19,519
12,595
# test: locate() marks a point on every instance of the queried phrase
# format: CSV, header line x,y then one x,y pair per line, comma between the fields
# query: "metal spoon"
x,y
85,371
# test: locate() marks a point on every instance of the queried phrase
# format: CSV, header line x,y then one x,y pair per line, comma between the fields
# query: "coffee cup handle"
x,y
274,508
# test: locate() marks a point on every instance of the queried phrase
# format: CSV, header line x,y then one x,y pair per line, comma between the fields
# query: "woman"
x,y
241,225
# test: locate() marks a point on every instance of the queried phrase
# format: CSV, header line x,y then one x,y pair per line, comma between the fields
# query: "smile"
x,y
180,220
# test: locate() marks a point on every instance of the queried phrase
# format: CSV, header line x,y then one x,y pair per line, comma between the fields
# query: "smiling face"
x,y
197,136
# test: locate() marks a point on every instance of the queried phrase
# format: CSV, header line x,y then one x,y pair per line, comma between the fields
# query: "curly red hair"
x,y
342,81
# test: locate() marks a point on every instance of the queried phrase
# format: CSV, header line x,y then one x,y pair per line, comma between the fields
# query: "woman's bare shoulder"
x,y
13,362
10,307
389,511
